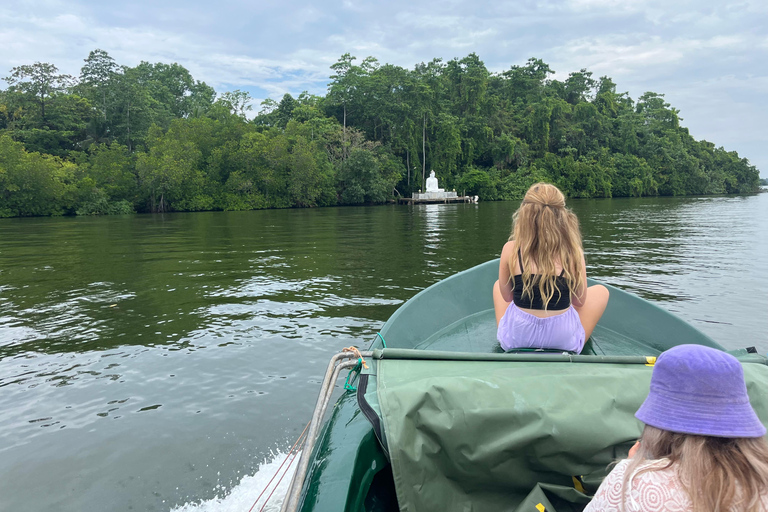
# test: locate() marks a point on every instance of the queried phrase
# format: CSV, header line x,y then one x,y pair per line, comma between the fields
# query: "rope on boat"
x,y
354,371
355,351
278,482
298,442
383,342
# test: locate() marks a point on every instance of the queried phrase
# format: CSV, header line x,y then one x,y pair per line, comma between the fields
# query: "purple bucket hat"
x,y
700,390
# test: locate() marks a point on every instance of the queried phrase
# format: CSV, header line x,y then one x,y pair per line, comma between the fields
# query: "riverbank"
x,y
187,149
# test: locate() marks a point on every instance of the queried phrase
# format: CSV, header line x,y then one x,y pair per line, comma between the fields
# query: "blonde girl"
x,y
541,298
703,448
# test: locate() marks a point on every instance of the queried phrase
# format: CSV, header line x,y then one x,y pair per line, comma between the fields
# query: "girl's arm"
x,y
505,284
580,296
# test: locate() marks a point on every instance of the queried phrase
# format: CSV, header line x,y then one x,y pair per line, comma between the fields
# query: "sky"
x,y
709,57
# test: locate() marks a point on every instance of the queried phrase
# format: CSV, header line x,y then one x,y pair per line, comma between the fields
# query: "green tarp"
x,y
477,436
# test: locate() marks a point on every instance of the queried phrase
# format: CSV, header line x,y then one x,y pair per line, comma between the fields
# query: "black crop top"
x,y
559,301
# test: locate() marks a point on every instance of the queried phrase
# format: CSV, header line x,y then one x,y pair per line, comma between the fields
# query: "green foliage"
x,y
108,184
151,138
632,177
309,174
97,203
515,185
477,182
368,177
169,171
31,183
237,102
39,81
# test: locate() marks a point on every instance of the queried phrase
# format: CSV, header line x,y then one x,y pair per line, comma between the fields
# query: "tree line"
x,y
151,138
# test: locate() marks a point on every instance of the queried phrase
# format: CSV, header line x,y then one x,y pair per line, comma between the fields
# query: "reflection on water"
x,y
151,361
434,222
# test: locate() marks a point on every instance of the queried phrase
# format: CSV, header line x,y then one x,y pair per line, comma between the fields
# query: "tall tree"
x,y
40,80
97,74
238,102
346,87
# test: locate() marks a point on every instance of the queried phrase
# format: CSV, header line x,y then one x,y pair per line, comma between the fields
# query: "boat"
x,y
437,417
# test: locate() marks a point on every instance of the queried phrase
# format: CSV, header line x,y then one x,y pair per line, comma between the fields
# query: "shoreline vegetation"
x,y
151,138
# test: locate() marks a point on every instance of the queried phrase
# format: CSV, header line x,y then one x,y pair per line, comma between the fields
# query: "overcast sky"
x,y
709,57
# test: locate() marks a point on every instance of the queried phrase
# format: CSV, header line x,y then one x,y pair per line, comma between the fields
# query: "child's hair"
x,y
718,473
546,232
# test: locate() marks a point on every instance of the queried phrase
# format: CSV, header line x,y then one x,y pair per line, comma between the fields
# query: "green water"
x,y
151,361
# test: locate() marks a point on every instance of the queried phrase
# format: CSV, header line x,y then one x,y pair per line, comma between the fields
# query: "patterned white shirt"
x,y
658,490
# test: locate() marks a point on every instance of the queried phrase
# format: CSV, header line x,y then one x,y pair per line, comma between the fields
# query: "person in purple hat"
x,y
703,447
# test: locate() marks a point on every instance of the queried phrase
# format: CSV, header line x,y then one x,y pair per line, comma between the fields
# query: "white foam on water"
x,y
242,497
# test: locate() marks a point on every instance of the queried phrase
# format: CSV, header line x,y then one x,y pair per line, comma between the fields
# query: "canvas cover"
x,y
501,433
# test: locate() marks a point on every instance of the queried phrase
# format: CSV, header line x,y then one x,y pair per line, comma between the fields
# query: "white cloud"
x,y
428,21
625,5
621,54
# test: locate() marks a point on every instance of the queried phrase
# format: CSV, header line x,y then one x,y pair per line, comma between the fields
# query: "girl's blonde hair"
x,y
718,473
546,232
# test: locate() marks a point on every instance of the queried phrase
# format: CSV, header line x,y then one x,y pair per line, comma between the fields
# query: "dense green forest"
x,y
151,138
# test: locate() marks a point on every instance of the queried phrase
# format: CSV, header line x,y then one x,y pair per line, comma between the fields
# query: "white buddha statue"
x,y
432,183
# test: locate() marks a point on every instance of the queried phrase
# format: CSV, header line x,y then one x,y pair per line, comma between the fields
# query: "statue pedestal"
x,y
434,196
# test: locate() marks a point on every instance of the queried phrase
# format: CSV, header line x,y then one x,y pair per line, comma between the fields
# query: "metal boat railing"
x,y
339,362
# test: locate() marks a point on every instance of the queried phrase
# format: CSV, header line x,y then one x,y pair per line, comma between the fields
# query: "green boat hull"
x,y
349,469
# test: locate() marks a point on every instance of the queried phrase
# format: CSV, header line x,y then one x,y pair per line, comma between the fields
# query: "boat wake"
x,y
241,498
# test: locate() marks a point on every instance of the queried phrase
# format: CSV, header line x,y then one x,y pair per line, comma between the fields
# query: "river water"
x,y
157,362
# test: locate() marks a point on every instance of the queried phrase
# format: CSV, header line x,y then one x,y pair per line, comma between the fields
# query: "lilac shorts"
x,y
518,329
